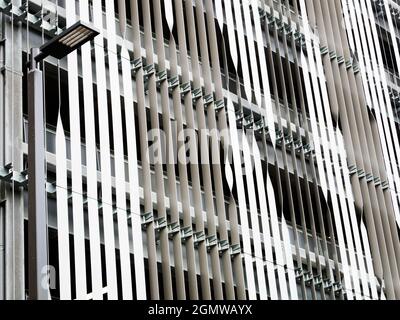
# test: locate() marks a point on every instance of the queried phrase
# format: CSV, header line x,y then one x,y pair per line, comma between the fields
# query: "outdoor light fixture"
x,y
68,41
59,47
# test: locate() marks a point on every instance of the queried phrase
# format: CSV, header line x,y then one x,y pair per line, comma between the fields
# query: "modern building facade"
x,y
207,149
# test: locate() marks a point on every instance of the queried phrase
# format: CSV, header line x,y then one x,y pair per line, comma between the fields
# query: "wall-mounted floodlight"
x,y
59,47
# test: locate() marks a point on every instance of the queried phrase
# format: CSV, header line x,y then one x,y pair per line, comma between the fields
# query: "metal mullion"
x,y
234,269
326,177
91,165
274,218
248,260
237,177
302,156
388,217
158,165
311,82
170,160
105,158
248,163
357,99
273,291
394,132
280,127
345,52
332,138
216,156
331,146
254,218
204,151
375,246
184,184
194,168
293,147
119,161
144,150
358,239
62,214
130,129
393,208
76,162
381,234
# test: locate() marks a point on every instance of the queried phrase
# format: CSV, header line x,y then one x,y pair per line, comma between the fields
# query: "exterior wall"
x,y
169,179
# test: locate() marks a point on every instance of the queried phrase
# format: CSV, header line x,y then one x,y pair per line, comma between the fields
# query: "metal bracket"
x,y
173,229
185,88
6,173
219,105
211,241
21,179
208,100
173,82
197,94
186,233
199,237
223,246
147,218
162,76
160,223
136,65
235,250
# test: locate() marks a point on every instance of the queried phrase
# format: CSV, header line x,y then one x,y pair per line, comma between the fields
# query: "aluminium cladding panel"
x,y
361,44
313,120
242,47
184,35
133,174
172,173
76,164
62,214
331,176
157,155
183,175
283,255
215,143
233,269
343,50
367,274
237,159
105,156
144,151
264,75
320,142
133,178
394,132
258,255
265,222
91,163
252,51
390,215
362,68
119,161
204,142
